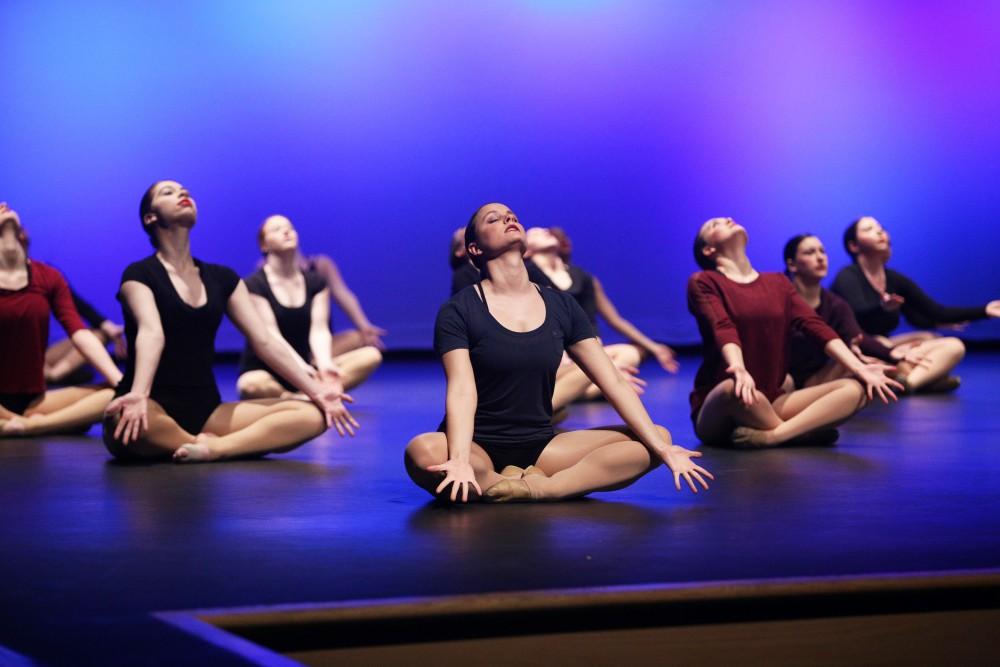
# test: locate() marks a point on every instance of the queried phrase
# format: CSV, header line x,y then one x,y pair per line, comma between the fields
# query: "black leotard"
x,y
293,323
184,384
919,309
515,372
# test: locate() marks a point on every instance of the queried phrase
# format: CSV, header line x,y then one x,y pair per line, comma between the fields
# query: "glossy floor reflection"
x,y
91,547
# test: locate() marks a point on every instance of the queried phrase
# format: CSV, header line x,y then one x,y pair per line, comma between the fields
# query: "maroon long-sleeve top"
x,y
24,327
760,317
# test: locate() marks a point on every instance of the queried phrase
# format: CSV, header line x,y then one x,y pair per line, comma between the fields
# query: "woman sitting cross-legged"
x,y
501,342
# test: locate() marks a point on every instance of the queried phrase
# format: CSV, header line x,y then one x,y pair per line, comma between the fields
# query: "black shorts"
x,y
521,455
18,403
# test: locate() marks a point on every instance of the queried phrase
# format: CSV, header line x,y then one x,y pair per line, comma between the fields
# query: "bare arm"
x,y
266,315
606,308
283,359
745,384
149,342
93,351
347,301
320,339
592,359
460,415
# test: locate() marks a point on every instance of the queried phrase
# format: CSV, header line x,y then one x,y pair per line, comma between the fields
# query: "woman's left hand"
x,y
875,381
678,459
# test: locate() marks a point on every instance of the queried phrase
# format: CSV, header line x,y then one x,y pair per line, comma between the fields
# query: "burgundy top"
x,y
24,327
760,317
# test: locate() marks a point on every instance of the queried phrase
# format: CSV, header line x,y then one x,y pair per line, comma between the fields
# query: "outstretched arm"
x,y
93,351
871,375
606,308
132,407
287,363
348,302
269,322
592,359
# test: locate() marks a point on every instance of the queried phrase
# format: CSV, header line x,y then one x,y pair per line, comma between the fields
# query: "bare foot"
x,y
194,452
745,437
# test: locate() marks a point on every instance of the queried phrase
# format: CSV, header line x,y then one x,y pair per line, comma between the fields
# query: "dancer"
x,y
295,306
365,333
806,265
500,343
29,292
168,403
465,274
746,319
879,295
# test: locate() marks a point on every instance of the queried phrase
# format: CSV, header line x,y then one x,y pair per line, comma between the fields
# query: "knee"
x,y
422,450
955,347
665,434
628,355
257,386
371,357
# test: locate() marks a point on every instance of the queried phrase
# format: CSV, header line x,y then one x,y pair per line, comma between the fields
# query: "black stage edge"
x,y
911,618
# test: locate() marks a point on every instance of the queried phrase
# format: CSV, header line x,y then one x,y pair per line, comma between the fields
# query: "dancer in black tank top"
x,y
168,403
295,306
500,343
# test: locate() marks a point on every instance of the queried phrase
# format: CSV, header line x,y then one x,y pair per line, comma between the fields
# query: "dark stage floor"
x,y
91,548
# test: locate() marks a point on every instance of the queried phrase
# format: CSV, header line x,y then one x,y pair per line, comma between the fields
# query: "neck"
x,y
507,272
808,289
175,246
12,256
734,263
284,264
872,265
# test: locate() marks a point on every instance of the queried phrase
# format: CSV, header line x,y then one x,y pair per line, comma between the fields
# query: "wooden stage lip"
x,y
304,628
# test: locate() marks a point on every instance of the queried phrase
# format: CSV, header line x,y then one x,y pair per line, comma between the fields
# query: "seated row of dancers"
x,y
501,341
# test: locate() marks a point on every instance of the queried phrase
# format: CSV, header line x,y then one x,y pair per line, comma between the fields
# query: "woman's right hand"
x,y
133,420
460,475
745,386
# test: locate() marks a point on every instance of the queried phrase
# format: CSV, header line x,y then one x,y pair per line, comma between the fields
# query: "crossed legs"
x,y
355,367
573,464
724,419
238,429
67,410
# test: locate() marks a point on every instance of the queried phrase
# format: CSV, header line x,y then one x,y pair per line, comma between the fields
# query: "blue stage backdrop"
x,y
379,126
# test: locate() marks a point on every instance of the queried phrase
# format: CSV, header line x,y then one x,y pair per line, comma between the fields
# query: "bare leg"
x,y
911,337
621,354
247,428
160,440
61,359
345,341
571,385
258,384
67,410
722,411
357,365
580,462
807,410
428,449
943,355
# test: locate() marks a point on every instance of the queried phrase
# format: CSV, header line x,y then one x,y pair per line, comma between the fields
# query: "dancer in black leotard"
x,y
295,305
168,403
500,343
30,293
879,295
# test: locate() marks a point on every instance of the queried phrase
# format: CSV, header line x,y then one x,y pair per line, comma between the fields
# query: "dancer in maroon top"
x,y
29,292
806,266
746,321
